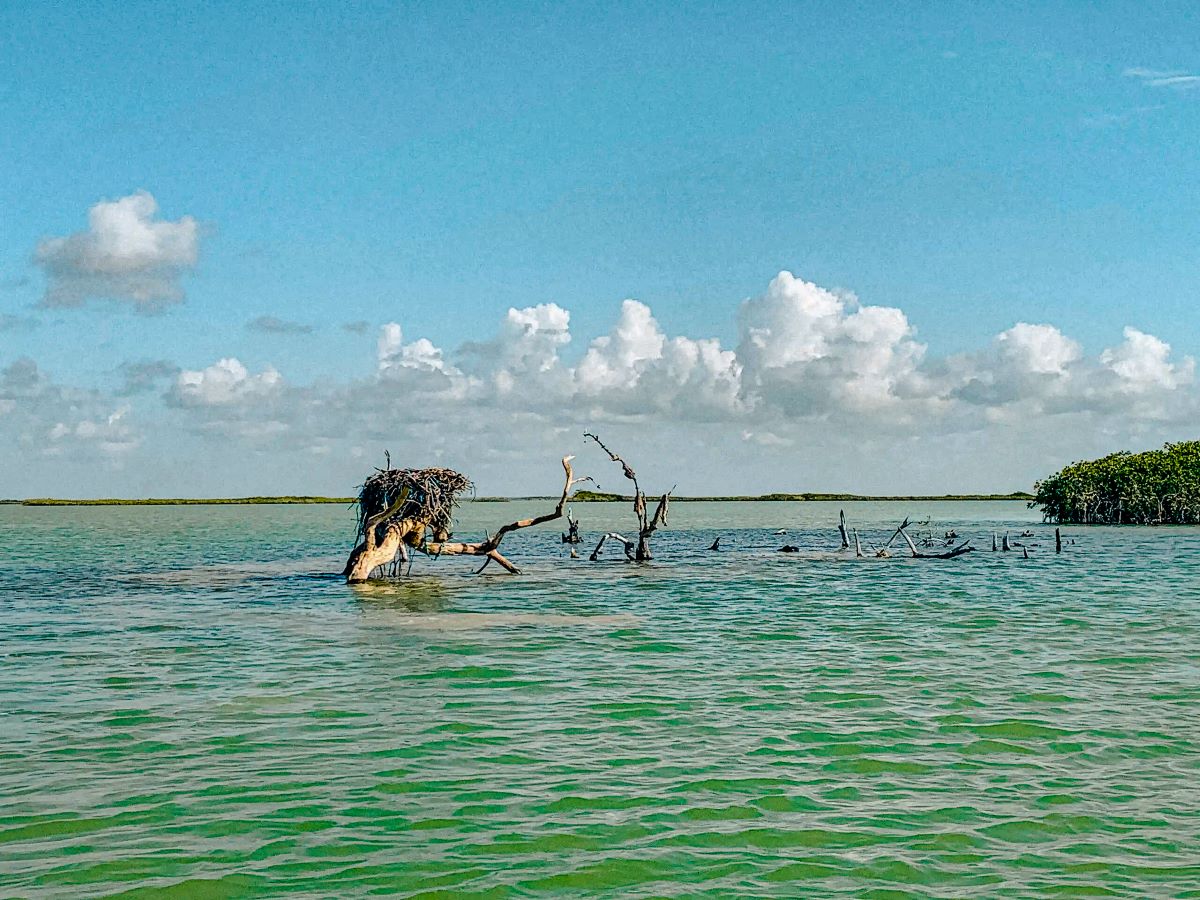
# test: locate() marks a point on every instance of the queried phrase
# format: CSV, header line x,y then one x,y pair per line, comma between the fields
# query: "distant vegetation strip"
x,y
182,501
578,496
602,497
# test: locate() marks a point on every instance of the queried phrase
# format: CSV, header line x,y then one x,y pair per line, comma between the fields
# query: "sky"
x,y
247,248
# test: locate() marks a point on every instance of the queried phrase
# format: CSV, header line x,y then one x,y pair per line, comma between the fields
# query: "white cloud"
x,y
226,382
637,370
417,368
47,419
813,369
805,353
110,435
1178,80
125,254
1142,363
806,350
1039,349
531,338
617,360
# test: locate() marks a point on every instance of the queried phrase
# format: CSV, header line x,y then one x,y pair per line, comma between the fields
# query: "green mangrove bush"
x,y
1157,487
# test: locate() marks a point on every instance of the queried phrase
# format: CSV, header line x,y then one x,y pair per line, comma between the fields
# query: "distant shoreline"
x,y
582,497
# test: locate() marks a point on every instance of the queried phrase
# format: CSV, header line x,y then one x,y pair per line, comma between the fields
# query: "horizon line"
x,y
590,497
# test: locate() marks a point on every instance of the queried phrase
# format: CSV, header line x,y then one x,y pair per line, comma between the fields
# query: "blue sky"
x,y
975,166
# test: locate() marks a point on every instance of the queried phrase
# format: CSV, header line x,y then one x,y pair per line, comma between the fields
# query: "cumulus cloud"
x,y
225,383
275,325
636,368
1142,363
812,373
1038,349
807,350
803,353
417,366
127,254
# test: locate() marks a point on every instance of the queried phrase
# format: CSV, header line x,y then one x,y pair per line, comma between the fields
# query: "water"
x,y
190,707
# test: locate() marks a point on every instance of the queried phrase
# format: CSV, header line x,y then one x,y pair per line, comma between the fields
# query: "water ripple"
x,y
236,723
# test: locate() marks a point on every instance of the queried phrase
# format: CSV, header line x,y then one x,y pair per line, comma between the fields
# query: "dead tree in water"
x,y
401,509
571,536
964,547
647,524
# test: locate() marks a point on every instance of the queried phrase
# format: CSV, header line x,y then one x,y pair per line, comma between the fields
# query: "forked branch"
x,y
647,524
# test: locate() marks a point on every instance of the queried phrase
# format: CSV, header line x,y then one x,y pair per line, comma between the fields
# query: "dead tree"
x,y
401,510
572,533
647,524
842,529
964,547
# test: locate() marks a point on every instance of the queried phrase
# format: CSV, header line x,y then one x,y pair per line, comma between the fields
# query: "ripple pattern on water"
x,y
737,724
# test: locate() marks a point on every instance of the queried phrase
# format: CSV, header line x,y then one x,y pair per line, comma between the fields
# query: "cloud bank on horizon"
x,y
819,391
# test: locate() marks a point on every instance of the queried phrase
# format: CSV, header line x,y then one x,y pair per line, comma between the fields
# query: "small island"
x,y
1156,487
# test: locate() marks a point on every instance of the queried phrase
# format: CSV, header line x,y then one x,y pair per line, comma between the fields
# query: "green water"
x,y
190,707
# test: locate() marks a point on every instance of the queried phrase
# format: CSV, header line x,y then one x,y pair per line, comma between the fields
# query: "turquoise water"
x,y
191,707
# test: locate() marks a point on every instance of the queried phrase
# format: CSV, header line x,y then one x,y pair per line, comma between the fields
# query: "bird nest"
x,y
429,496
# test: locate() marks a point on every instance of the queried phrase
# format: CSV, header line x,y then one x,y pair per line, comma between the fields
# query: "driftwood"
x,y
404,523
716,544
647,524
612,535
895,534
964,547
842,529
857,545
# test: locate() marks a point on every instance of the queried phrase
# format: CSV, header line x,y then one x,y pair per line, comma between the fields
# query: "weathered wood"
x,y
572,533
899,531
964,547
647,524
624,541
383,537
842,529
